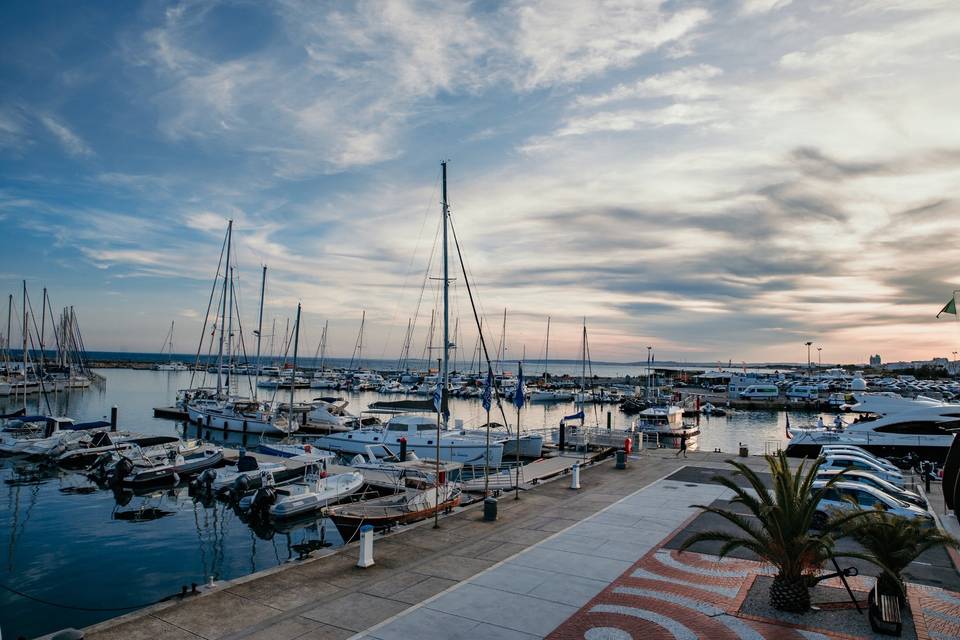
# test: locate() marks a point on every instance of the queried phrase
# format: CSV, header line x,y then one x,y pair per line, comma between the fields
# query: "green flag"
x,y
950,307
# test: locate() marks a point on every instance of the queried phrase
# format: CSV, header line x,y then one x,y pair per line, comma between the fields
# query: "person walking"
x,y
683,445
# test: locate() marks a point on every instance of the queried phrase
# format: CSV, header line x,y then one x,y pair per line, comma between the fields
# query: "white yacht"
x,y
667,423
902,425
551,395
421,437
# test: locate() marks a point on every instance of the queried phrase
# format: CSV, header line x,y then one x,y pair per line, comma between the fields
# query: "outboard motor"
x,y
204,482
122,469
240,487
262,501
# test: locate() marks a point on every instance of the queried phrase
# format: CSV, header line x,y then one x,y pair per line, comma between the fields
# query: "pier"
x,y
553,560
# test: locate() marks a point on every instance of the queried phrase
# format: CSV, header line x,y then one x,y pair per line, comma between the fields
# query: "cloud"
x,y
71,142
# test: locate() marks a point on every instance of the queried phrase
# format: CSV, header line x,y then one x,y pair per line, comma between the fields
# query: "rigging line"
x,y
206,316
413,257
476,319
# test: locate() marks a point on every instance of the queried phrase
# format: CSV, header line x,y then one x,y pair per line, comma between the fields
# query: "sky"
x,y
718,180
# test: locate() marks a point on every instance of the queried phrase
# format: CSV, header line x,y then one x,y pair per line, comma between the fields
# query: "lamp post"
x,y
819,358
808,343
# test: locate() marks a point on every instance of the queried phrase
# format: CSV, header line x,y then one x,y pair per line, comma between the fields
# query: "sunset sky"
x,y
721,180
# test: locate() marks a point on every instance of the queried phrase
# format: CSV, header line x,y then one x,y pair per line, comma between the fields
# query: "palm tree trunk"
x,y
790,595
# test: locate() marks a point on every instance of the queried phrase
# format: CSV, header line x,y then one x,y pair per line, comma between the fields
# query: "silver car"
x,y
869,479
850,496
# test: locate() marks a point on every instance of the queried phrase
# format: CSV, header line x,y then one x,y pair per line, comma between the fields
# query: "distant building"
x,y
875,361
933,363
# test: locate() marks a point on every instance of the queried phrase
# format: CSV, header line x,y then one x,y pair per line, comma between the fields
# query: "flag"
x,y
438,397
950,307
518,398
577,416
487,396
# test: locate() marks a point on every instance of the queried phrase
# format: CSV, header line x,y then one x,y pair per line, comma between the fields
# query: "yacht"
x,y
666,421
420,433
551,395
897,426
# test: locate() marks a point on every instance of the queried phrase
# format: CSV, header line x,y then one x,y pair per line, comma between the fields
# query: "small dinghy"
x,y
316,491
421,498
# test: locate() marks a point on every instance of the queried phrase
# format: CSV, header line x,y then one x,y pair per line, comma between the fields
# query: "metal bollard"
x,y
489,509
575,476
113,418
366,547
621,459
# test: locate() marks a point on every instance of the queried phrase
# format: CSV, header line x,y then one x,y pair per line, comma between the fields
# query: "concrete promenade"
x,y
594,563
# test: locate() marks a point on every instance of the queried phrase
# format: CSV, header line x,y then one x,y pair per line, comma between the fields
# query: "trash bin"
x,y
744,452
490,509
621,459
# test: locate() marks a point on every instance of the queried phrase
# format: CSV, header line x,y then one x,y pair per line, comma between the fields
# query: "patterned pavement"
x,y
684,596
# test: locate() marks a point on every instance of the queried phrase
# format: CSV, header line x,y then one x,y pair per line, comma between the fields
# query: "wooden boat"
x,y
421,498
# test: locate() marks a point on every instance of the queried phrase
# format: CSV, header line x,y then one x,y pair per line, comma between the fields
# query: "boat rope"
x,y
79,608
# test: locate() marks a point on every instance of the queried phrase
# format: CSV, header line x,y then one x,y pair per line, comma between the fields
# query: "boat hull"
x,y
227,422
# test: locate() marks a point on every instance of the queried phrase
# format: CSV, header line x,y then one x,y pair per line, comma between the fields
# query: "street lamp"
x,y
808,343
819,358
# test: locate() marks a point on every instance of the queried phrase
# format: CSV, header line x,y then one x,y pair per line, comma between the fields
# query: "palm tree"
x,y
894,542
781,533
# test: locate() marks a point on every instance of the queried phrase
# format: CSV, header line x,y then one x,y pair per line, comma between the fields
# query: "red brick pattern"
x,y
686,596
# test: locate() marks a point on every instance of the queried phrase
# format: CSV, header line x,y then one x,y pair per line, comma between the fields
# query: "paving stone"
x,y
355,611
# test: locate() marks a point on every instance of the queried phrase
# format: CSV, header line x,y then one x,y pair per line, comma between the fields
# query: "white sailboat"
x,y
171,364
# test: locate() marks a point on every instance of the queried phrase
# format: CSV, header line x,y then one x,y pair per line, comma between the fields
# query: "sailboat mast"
x,y
546,357
446,297
363,321
24,345
256,372
223,311
43,322
323,344
9,315
293,378
230,338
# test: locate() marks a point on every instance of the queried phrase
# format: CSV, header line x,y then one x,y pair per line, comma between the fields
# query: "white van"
x,y
804,392
760,392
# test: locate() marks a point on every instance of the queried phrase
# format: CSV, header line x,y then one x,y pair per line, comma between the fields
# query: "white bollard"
x,y
575,476
366,547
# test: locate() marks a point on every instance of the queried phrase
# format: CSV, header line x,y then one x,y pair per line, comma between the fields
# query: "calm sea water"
x,y
73,544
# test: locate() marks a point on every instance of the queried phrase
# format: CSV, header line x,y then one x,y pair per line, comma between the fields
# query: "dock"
x,y
534,572
170,413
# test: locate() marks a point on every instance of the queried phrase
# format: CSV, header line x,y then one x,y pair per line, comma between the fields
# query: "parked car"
x,y
839,462
849,496
851,450
869,479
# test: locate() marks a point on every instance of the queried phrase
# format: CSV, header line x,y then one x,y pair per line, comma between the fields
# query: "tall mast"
x,y
24,345
293,378
230,338
256,373
363,320
223,311
583,374
503,340
546,357
323,344
446,296
9,315
43,322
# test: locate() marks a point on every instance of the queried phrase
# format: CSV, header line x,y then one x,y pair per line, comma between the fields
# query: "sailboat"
x,y
219,409
171,364
423,435
546,393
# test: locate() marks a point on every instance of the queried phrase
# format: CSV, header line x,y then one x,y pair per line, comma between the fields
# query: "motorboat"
x,y
551,395
420,434
423,495
666,422
102,442
295,449
315,491
142,470
237,477
922,426
46,436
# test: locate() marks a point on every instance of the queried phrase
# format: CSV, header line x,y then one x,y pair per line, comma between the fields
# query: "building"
x,y
875,361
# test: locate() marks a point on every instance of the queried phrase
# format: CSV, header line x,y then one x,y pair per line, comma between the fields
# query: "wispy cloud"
x,y
71,142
